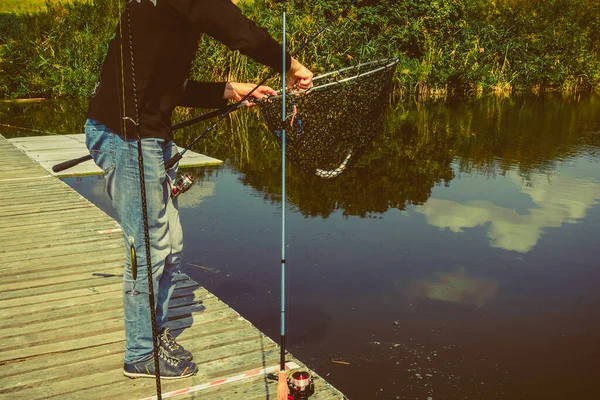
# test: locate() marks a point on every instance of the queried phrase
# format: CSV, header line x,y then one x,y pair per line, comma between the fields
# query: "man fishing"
x,y
143,78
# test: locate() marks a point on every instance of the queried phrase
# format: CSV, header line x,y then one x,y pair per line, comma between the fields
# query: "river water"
x,y
458,260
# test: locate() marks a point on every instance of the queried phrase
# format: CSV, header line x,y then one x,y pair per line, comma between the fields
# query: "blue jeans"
x,y
118,158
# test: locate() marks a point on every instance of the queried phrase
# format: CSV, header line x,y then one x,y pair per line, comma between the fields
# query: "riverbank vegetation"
x,y
445,47
20,6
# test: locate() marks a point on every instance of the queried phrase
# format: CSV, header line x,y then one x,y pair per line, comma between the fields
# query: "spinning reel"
x,y
182,185
300,385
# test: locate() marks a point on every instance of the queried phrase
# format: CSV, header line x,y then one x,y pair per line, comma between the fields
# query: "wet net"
x,y
329,126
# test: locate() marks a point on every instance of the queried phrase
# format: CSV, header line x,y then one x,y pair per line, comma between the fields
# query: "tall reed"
x,y
446,47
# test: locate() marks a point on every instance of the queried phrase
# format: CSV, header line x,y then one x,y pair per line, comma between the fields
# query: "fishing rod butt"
x,y
174,160
70,163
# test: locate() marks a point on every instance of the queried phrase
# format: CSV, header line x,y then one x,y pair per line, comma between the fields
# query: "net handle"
x,y
391,63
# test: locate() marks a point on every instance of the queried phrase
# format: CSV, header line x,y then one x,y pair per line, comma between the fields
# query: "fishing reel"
x,y
301,386
182,185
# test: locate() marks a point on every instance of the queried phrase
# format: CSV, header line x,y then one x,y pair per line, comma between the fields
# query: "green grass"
x,y
20,6
446,47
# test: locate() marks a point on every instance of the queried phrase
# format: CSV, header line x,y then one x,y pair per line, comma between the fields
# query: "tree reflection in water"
x,y
425,145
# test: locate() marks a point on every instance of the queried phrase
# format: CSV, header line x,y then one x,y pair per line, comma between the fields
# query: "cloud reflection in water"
x,y
454,287
559,200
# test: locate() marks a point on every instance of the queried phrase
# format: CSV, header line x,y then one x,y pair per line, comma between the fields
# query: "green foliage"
x,y
445,46
21,5
57,52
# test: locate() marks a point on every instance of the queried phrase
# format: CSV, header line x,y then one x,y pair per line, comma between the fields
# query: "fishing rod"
x,y
282,384
211,114
143,195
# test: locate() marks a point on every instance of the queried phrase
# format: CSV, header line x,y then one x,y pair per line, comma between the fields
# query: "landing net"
x,y
330,125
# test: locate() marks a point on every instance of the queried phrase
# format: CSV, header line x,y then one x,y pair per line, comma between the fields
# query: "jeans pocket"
x,y
100,143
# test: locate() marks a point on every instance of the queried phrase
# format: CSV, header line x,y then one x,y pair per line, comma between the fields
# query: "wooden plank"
x,y
13,371
17,211
205,339
108,374
90,292
110,273
42,210
91,268
94,284
16,301
112,322
113,360
16,245
65,261
75,234
62,308
108,331
72,249
82,316
25,194
53,225
80,386
64,216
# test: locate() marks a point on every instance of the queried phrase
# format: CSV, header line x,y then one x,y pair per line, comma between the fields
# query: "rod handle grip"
x,y
173,161
71,163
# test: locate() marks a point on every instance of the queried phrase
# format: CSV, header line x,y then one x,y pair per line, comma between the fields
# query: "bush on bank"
x,y
445,46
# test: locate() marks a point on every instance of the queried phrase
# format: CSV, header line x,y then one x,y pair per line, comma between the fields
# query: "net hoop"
x,y
388,63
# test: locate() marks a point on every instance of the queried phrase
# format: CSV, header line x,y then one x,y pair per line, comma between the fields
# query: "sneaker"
x,y
170,367
173,349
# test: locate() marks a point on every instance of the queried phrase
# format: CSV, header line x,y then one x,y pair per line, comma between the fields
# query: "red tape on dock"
x,y
224,381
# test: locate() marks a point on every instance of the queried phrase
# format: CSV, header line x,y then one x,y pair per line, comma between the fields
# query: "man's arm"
x,y
224,21
216,94
203,95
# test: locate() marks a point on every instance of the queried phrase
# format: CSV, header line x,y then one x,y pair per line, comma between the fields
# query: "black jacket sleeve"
x,y
224,21
203,95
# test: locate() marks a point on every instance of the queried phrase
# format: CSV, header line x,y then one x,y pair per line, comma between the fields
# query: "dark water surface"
x,y
459,260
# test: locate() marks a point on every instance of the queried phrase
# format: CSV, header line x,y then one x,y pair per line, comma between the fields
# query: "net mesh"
x,y
329,126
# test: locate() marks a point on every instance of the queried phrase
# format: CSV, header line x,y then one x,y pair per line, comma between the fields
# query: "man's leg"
x,y
175,232
123,184
128,201
166,286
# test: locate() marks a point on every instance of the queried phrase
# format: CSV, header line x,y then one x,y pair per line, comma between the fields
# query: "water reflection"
x,y
557,200
42,118
428,146
454,287
197,194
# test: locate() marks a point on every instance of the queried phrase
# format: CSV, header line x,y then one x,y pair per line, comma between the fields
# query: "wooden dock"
x,y
53,149
61,317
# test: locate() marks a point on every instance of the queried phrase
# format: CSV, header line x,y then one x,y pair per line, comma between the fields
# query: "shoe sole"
x,y
134,375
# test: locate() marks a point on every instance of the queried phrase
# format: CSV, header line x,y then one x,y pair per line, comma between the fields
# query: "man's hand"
x,y
236,91
299,75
